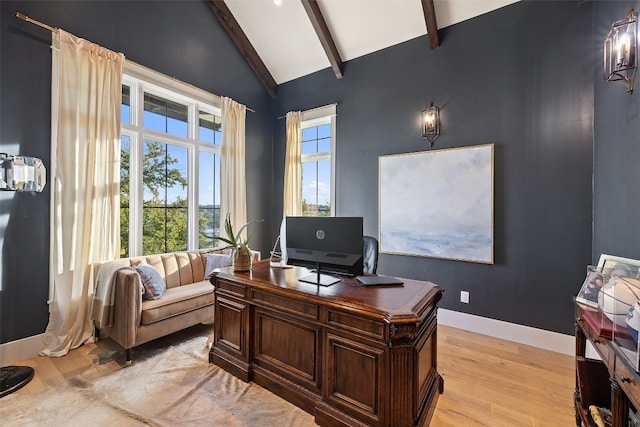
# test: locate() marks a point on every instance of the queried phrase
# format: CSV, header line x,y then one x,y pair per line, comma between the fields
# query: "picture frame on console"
x,y
597,276
614,265
594,281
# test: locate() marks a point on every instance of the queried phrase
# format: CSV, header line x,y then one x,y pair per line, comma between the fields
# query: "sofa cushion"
x,y
154,285
178,300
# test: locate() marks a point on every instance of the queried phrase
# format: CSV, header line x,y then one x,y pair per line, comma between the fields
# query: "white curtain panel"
x,y
293,166
233,191
85,160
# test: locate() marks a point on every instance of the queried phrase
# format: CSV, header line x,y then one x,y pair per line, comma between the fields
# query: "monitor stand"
x,y
320,279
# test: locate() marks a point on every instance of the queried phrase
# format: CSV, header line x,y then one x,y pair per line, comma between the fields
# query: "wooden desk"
x,y
624,380
350,355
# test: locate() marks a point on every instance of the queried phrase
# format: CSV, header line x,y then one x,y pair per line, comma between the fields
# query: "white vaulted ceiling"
x,y
287,44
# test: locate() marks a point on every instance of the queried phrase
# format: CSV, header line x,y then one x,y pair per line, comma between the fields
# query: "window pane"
x,y
324,187
124,195
209,127
309,194
164,198
316,139
310,140
165,116
316,188
324,131
125,109
309,133
324,145
209,199
164,229
309,147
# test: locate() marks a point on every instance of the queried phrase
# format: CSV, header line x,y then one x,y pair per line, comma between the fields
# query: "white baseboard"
x,y
23,349
540,338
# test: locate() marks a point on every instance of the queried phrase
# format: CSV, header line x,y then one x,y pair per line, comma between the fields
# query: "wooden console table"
x,y
350,355
624,380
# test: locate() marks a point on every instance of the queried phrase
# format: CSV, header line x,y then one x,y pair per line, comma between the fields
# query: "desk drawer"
x,y
361,325
588,331
293,306
603,349
231,288
629,381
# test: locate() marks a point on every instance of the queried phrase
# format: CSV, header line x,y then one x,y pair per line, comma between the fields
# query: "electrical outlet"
x,y
464,297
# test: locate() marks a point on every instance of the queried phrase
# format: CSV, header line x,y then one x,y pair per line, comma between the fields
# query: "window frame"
x,y
141,80
317,117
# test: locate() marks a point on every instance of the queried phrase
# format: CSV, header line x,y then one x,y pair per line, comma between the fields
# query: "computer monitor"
x,y
327,244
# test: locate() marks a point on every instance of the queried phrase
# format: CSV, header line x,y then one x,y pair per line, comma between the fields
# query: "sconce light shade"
x,y
21,173
621,51
431,123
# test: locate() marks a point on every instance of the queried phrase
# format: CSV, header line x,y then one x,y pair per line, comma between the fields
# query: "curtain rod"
x,y
312,109
38,23
57,30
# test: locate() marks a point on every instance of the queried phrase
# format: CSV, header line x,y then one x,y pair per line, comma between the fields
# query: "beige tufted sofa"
x,y
187,301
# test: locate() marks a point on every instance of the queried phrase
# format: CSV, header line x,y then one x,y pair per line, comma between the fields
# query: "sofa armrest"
x,y
127,308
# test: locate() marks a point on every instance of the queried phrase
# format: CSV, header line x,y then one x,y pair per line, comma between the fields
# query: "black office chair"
x,y
370,254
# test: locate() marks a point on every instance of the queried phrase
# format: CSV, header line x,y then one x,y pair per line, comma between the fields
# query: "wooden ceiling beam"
x,y
322,30
432,26
232,27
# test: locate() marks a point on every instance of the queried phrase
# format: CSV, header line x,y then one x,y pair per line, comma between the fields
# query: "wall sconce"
x,y
621,51
21,173
431,123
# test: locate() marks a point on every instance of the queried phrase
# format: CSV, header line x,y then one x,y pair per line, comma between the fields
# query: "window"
x,y
318,146
170,165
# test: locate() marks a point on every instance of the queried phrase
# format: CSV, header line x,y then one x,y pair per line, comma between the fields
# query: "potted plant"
x,y
240,252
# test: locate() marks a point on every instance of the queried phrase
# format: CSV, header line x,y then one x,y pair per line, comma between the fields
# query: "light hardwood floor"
x,y
487,381
493,382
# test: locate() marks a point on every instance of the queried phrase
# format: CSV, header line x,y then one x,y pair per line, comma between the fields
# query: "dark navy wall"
x,y
617,150
526,77
520,77
180,39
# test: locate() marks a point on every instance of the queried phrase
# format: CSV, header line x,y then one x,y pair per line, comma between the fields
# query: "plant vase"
x,y
242,260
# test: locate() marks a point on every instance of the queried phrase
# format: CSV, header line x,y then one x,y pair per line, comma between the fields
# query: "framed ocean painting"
x,y
438,203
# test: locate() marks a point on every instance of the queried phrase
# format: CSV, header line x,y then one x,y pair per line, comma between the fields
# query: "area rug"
x,y
177,387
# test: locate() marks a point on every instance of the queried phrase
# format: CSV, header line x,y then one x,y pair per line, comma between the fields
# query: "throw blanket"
x,y
104,296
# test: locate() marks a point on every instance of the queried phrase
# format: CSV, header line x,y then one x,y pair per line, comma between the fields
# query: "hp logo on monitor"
x,y
320,234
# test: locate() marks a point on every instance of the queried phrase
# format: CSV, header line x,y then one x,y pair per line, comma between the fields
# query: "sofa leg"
x,y
127,356
96,334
